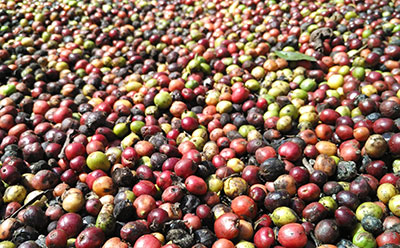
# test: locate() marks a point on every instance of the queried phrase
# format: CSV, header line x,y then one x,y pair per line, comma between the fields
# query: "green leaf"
x,y
294,56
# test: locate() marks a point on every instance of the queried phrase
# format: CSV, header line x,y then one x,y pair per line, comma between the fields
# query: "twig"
x,y
358,51
308,165
30,202
316,241
70,132
230,176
